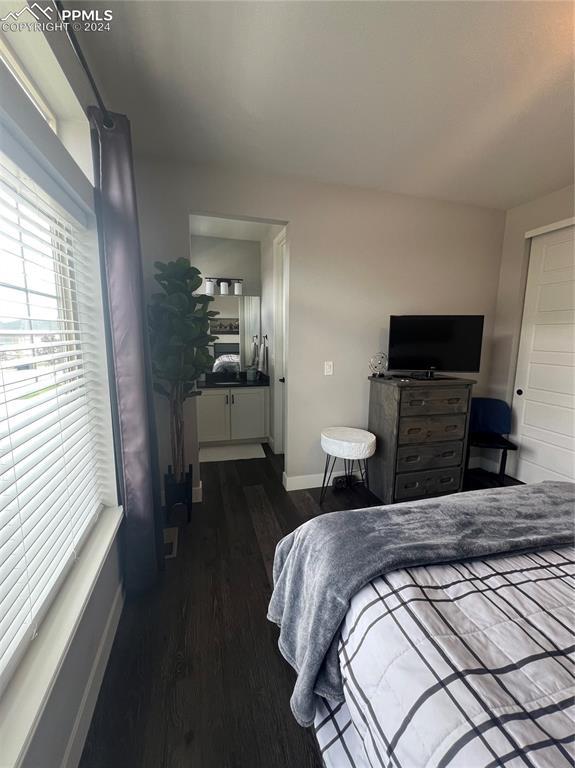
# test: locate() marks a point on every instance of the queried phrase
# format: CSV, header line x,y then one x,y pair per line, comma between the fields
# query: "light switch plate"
x,y
328,368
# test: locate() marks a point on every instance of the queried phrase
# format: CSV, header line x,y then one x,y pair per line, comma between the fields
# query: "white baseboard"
x,y
489,465
197,493
483,462
242,441
301,482
77,738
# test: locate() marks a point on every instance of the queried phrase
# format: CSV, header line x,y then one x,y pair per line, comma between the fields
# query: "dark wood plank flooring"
x,y
195,679
476,479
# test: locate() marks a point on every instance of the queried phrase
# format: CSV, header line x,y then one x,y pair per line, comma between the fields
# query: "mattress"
x,y
466,665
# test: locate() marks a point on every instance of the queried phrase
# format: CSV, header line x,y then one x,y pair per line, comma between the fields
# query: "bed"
x,y
457,665
466,663
228,363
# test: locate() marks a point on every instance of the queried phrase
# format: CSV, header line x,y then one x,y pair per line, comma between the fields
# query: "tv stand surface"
x,y
422,377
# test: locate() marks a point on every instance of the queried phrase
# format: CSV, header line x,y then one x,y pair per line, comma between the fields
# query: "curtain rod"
x,y
108,120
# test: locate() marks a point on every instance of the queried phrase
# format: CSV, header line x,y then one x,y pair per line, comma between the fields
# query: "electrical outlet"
x,y
328,368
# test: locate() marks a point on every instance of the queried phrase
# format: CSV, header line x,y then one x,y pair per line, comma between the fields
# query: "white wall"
x,y
227,306
226,257
356,256
513,276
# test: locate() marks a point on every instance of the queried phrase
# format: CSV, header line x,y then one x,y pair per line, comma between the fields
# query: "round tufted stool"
x,y
349,444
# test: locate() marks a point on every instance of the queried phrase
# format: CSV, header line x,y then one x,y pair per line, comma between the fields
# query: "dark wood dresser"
x,y
421,429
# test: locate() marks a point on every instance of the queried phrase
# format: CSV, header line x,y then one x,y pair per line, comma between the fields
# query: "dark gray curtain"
x,y
130,380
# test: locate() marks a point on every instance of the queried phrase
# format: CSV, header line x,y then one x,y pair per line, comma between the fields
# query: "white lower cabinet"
x,y
247,413
237,413
214,415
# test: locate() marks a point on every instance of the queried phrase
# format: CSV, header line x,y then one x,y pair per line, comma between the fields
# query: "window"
x,y
56,460
19,74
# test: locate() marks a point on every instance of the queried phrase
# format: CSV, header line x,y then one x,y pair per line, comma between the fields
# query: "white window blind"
x,y
56,457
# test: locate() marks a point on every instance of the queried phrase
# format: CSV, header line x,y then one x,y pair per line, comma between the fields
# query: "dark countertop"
x,y
217,382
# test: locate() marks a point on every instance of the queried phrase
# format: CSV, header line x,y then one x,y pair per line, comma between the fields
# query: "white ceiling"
x,y
465,101
233,229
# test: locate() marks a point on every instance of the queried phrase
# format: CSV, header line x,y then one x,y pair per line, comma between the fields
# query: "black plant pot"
x,y
178,496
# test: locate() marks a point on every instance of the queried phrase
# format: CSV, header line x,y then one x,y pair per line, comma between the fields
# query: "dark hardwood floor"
x,y
476,479
195,679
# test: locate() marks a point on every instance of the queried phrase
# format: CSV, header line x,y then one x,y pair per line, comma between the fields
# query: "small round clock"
x,y
378,364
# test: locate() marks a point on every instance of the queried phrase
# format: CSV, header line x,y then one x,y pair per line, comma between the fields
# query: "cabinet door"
x,y
247,413
214,415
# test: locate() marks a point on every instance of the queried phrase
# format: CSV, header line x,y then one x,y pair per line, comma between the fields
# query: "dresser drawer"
x,y
434,400
414,485
431,429
435,456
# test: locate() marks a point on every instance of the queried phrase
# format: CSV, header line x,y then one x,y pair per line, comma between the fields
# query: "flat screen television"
x,y
435,342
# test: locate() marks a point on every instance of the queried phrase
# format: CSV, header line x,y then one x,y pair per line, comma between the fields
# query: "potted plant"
x,y
179,325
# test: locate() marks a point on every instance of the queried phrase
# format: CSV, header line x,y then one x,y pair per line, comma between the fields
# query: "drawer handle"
x,y
445,480
447,454
411,485
417,403
413,430
412,459
453,400
450,427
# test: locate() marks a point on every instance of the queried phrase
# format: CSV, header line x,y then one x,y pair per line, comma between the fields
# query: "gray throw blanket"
x,y
321,565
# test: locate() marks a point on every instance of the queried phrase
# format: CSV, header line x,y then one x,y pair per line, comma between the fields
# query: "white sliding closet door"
x,y
543,403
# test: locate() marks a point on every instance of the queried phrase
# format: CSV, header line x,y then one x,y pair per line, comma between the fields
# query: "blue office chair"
x,y
489,423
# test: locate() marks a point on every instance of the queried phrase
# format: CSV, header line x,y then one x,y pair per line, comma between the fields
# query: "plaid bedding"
x,y
466,665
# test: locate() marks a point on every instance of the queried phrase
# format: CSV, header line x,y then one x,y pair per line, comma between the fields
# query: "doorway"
x,y
243,264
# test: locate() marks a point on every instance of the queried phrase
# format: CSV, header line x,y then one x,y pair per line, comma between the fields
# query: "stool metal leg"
x,y
366,472
326,474
321,495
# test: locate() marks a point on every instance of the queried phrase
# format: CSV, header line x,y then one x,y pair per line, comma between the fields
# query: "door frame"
x,y
280,342
550,228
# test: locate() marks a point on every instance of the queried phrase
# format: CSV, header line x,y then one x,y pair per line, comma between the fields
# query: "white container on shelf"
x,y
224,288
